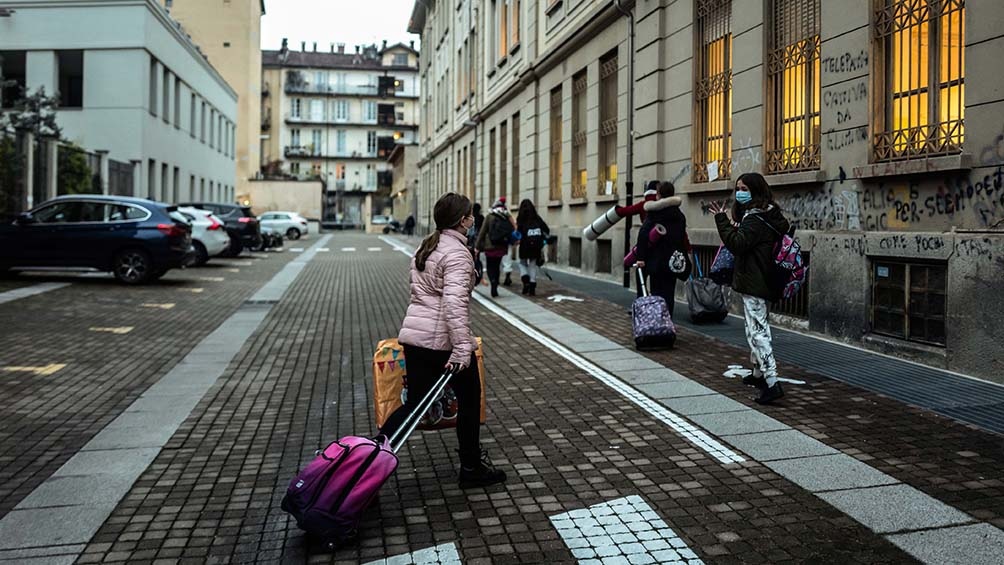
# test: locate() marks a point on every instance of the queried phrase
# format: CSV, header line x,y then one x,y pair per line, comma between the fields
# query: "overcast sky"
x,y
350,22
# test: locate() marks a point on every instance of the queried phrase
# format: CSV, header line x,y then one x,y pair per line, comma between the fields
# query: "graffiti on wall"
x,y
745,157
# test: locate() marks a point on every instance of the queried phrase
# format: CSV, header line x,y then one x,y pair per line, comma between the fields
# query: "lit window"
x,y
608,123
579,174
555,148
793,87
922,44
713,120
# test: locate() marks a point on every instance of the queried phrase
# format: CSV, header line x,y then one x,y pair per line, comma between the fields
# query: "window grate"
x,y
608,124
579,175
921,66
793,87
555,148
909,300
713,91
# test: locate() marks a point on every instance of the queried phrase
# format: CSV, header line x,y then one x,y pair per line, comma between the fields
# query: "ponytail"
x,y
429,245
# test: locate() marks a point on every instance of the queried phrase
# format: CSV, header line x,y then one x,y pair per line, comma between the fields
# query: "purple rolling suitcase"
x,y
652,325
328,496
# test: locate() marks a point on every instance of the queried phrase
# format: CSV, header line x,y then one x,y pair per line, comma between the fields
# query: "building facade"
x,y
229,33
855,111
132,84
337,116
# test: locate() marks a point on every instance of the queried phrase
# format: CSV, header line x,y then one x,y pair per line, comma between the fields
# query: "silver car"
x,y
291,224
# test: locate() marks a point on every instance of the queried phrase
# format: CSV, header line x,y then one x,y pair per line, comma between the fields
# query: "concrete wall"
x,y
229,33
116,112
302,197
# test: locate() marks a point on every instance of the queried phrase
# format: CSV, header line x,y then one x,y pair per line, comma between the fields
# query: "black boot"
x,y
480,474
526,283
533,289
495,289
770,394
758,382
508,279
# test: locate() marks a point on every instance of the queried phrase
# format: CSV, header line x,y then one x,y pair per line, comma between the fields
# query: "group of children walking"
x,y
494,236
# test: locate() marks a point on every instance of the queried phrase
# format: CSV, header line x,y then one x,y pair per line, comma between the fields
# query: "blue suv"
x,y
137,240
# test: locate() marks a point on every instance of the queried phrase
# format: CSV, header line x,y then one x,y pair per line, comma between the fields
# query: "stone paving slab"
x,y
829,472
674,389
895,508
784,444
648,376
709,404
742,422
982,544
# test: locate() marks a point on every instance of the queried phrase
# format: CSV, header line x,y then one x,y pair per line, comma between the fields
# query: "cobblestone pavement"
x,y
110,343
576,452
568,443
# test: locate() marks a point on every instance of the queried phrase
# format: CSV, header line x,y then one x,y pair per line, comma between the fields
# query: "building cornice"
x,y
173,27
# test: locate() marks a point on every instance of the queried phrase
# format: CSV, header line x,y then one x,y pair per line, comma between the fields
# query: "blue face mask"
x,y
743,196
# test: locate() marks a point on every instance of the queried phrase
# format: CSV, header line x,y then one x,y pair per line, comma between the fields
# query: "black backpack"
x,y
533,240
499,231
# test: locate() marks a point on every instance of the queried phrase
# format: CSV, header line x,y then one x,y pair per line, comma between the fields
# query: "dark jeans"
x,y
494,269
664,285
425,366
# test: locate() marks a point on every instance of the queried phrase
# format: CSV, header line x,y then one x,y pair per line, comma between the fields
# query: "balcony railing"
x,y
307,151
323,119
347,89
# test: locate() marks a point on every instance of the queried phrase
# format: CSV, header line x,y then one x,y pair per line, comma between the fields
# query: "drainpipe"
x,y
629,182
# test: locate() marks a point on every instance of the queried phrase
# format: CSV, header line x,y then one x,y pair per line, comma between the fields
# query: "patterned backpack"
x,y
792,270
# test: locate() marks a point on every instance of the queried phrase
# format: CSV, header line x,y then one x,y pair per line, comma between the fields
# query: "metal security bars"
x,y
793,129
579,174
909,300
555,147
921,72
713,91
608,123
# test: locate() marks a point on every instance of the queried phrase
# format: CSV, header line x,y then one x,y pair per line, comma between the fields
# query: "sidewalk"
x,y
969,400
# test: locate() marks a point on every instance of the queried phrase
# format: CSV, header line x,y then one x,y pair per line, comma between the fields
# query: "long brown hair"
x,y
450,210
759,191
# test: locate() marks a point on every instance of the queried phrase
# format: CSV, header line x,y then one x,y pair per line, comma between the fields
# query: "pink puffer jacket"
x,y
438,315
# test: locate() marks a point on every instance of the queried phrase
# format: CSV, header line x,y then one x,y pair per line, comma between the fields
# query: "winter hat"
x,y
500,203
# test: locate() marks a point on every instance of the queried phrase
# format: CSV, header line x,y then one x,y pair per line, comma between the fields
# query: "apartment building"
x,y
337,116
228,32
131,84
855,111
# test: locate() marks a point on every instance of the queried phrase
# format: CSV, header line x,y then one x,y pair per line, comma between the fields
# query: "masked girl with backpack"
x,y
494,239
750,234
533,233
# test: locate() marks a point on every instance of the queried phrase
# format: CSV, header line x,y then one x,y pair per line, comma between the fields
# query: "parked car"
x,y
380,219
242,227
289,223
209,236
137,240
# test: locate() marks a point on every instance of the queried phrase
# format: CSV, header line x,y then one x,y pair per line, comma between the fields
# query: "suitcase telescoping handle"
x,y
641,281
398,439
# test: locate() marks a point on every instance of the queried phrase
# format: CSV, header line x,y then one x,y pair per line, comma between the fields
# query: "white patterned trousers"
x,y
759,339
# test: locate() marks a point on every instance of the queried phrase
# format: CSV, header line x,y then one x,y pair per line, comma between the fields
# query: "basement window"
x,y
909,300
575,252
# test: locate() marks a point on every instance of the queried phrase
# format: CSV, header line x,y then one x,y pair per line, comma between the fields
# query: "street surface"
x,y
162,424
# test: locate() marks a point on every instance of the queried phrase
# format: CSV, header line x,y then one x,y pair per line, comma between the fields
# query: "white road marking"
x,y
118,331
626,530
349,249
562,298
296,249
212,279
690,432
192,290
43,371
323,249
444,554
32,290
166,306
374,249
739,371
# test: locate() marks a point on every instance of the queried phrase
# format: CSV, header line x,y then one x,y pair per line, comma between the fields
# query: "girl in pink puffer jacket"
x,y
436,334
